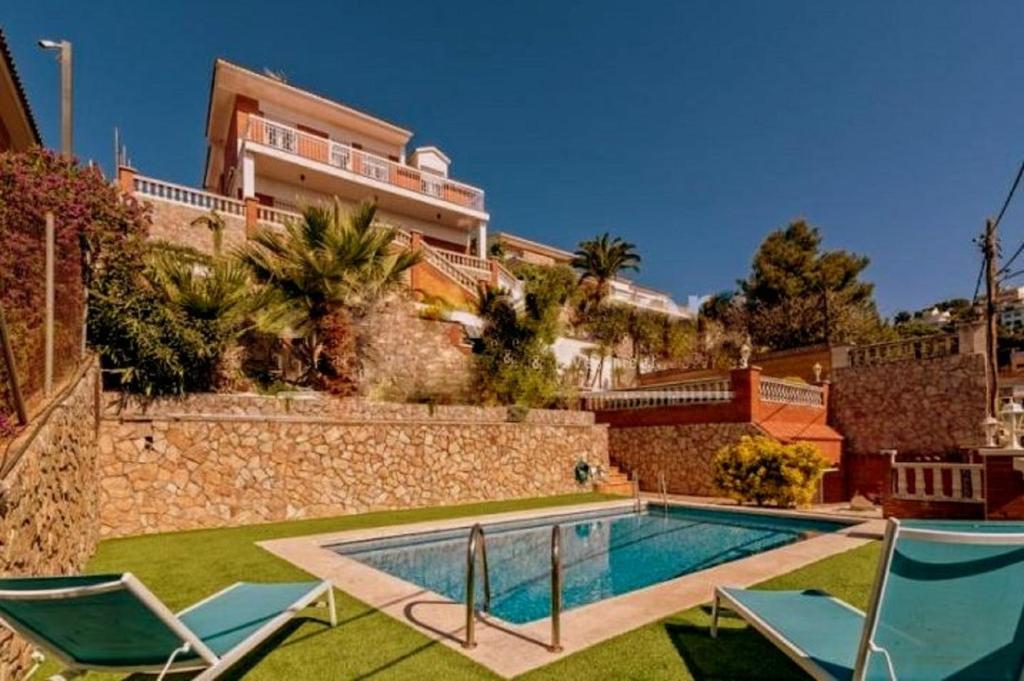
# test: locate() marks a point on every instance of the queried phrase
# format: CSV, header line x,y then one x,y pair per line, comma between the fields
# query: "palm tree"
x,y
215,223
322,268
601,259
216,296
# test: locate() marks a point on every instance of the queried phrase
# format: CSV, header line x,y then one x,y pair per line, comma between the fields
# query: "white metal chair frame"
x,y
208,661
867,644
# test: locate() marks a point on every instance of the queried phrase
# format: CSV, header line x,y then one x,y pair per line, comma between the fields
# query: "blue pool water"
x,y
604,554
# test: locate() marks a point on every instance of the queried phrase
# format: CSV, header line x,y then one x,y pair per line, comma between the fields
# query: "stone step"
x,y
624,489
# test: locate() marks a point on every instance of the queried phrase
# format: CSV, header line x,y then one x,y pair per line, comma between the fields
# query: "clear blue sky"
x,y
691,128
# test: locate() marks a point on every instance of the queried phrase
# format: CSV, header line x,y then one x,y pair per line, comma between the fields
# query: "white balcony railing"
x,y
344,157
186,196
938,481
788,392
275,216
696,392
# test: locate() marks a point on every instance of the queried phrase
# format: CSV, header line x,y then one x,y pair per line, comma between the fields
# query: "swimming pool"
x,y
604,554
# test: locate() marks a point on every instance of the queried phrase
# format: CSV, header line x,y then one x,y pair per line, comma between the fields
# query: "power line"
x,y
1002,211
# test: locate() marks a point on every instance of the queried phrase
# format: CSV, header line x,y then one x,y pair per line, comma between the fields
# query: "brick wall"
x,y
48,501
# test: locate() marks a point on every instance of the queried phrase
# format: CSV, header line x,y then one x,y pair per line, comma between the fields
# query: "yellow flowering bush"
x,y
762,470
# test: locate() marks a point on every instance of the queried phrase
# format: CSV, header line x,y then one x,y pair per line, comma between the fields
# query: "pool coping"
x,y
512,649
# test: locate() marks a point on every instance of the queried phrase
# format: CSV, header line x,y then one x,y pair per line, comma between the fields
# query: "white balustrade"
x,y
342,156
186,196
695,392
966,482
467,262
788,392
276,216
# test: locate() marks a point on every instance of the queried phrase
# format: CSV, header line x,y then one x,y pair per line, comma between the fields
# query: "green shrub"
x,y
761,470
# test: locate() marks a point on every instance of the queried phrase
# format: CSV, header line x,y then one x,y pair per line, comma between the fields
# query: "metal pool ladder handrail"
x,y
637,505
477,543
556,589
664,490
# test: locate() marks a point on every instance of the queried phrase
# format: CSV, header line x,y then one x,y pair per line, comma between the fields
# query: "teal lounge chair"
x,y
113,623
948,603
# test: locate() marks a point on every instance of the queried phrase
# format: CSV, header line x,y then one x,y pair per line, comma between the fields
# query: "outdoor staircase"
x,y
615,482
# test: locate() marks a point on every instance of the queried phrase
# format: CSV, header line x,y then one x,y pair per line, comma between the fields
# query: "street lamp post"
x,y
65,92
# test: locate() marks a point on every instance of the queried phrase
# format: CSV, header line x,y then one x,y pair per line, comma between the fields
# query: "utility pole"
x,y
990,249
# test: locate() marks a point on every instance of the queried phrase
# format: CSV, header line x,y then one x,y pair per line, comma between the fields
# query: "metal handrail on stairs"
x,y
477,543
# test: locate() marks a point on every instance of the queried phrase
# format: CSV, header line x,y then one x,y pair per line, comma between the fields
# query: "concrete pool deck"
x,y
510,649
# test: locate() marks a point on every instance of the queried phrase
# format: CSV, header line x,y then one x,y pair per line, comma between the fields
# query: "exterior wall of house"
x,y
297,117
166,470
293,197
49,518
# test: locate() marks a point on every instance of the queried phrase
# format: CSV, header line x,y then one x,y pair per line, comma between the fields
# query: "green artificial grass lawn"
x,y
181,568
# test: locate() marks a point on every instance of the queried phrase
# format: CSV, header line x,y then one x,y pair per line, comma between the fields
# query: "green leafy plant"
x,y
319,274
214,222
513,362
761,470
167,321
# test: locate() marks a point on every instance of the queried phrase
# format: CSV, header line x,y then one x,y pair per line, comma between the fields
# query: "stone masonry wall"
x,y
926,406
173,222
407,356
683,453
176,472
49,523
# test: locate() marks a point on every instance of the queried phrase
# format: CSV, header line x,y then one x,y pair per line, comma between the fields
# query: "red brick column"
x,y
494,272
746,393
126,179
252,218
415,272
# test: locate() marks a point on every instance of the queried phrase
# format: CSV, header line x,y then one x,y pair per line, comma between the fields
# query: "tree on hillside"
x,y
601,259
319,273
513,360
797,294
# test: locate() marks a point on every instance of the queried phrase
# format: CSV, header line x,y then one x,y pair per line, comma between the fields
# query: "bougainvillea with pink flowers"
x,y
90,216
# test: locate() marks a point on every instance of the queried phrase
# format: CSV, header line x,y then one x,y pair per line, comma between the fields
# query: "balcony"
x,y
342,157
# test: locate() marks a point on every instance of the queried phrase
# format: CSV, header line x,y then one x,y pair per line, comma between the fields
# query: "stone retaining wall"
x,y
174,471
683,453
49,523
925,406
173,222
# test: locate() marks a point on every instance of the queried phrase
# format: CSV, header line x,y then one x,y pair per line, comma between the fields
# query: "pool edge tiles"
x,y
509,650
